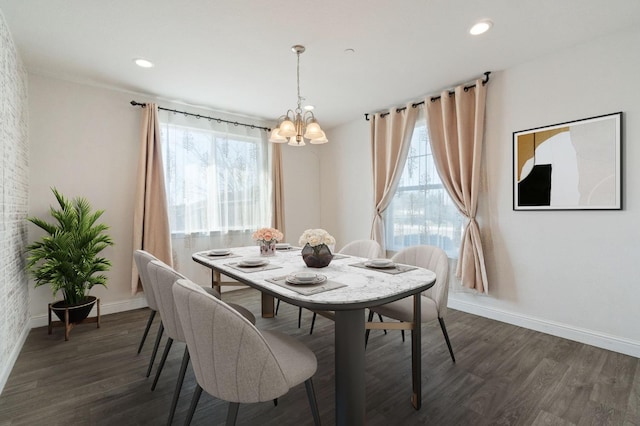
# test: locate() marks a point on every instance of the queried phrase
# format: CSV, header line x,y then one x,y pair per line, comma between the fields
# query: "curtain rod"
x,y
434,98
219,120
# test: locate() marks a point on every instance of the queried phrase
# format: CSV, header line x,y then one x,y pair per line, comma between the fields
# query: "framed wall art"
x,y
569,166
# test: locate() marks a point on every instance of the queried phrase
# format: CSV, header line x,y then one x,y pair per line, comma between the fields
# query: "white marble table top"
x,y
363,286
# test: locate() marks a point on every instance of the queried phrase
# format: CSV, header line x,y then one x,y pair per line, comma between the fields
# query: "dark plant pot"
x,y
316,258
77,312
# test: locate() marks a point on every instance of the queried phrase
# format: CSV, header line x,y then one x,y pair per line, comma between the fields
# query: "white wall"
x,y
14,193
85,141
569,273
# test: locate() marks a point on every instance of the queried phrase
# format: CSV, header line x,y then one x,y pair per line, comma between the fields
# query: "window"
x,y
421,211
216,182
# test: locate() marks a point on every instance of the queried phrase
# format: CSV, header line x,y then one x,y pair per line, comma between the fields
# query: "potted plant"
x,y
66,258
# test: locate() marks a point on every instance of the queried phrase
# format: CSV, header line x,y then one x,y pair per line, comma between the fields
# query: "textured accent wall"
x,y
14,200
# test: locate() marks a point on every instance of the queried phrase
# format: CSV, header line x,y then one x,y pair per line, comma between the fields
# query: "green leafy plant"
x,y
67,258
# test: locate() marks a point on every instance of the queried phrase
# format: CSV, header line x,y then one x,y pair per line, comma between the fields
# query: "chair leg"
x,y
313,322
155,347
176,392
402,332
299,316
194,403
381,320
446,338
162,361
366,333
152,315
277,306
232,414
311,394
275,402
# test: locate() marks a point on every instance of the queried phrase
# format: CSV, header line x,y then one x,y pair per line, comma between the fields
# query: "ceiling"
x,y
235,55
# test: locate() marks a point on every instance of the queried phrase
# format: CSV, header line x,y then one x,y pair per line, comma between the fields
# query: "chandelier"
x,y
296,126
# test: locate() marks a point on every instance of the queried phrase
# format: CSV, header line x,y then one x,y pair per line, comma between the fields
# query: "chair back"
x,y
162,277
369,249
434,259
142,259
231,359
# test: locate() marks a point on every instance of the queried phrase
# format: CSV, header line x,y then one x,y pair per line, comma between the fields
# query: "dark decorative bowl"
x,y
316,257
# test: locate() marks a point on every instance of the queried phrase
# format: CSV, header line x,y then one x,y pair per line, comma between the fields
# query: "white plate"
x,y
292,279
283,246
218,252
380,263
305,276
252,263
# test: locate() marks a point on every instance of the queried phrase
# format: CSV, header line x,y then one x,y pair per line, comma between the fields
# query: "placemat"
x,y
307,290
398,269
220,256
249,269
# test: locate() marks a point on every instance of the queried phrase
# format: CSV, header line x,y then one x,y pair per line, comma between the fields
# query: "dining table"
x,y
346,287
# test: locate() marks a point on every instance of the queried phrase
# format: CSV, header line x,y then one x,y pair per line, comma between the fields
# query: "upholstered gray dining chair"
x,y
233,360
368,249
142,259
434,300
161,278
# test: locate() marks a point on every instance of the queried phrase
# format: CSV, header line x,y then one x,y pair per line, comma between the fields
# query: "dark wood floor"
x,y
503,375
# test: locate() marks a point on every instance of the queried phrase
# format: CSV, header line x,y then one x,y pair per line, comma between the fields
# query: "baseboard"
x,y
589,337
105,309
13,356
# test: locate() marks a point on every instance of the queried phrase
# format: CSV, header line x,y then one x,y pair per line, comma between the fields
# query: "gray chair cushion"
x,y
231,359
142,259
300,361
243,311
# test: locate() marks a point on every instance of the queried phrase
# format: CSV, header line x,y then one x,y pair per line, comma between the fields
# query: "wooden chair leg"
x,y
50,323
152,315
67,326
366,333
194,403
98,312
232,414
313,322
381,320
155,348
311,395
162,361
446,338
176,392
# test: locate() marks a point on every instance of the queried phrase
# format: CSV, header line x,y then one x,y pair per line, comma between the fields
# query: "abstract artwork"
x,y
569,166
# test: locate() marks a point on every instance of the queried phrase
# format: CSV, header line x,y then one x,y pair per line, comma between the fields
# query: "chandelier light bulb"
x,y
287,129
276,137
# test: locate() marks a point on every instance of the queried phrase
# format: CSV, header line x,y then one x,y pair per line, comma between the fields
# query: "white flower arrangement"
x,y
316,237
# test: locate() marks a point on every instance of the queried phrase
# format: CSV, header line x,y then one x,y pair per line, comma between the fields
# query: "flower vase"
x,y
316,257
268,248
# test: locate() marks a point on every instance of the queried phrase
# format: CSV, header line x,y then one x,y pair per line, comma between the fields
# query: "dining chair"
x,y
142,258
434,300
233,360
368,249
162,277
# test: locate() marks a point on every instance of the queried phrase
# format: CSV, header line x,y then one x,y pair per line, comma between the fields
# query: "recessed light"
x,y
309,107
143,63
349,51
481,27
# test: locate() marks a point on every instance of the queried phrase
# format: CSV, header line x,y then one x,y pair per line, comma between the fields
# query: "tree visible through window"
x,y
216,182
421,211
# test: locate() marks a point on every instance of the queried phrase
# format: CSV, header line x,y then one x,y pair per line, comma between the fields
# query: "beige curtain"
x,y
151,220
456,129
390,141
277,214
